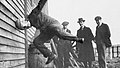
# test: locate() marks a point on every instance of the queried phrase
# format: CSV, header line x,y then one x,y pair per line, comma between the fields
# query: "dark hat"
x,y
65,23
98,18
80,19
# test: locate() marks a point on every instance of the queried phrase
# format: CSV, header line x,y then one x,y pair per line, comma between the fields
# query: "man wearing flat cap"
x,y
65,24
85,50
102,40
66,46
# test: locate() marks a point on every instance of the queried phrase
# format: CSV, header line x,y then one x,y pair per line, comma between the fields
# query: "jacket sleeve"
x,y
77,48
90,35
107,34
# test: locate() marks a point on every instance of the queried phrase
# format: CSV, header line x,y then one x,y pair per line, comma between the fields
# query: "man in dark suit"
x,y
102,40
63,48
66,46
48,27
85,50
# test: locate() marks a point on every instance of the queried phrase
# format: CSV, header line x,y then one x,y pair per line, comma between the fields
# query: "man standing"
x,y
85,50
66,46
102,40
63,48
48,27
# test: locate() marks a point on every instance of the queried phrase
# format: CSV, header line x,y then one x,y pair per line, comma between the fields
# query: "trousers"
x,y
101,48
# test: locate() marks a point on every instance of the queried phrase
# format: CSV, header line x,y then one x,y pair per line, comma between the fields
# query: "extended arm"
x,y
25,24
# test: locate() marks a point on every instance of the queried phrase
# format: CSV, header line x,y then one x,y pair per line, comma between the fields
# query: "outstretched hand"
x,y
81,40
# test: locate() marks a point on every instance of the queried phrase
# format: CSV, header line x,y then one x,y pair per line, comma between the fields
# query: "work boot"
x,y
52,57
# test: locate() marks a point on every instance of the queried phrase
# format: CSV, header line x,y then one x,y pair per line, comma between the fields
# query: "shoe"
x,y
50,59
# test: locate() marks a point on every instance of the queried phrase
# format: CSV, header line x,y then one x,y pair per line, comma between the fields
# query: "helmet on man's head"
x,y
98,18
65,23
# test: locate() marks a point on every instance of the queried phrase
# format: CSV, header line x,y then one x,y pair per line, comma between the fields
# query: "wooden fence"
x,y
115,51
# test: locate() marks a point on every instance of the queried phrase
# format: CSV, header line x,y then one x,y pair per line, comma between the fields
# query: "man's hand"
x,y
81,40
94,41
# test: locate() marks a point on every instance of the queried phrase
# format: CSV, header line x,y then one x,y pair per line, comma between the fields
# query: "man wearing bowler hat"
x,y
102,40
85,50
48,27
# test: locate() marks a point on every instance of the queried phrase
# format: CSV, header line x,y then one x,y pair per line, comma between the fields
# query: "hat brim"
x,y
65,23
80,21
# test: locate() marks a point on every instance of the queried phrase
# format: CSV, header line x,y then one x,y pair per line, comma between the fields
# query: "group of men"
x,y
102,40
50,27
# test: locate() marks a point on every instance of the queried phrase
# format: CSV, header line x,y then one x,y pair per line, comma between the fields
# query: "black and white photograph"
x,y
59,34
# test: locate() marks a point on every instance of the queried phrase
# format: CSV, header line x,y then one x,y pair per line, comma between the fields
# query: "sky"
x,y
71,10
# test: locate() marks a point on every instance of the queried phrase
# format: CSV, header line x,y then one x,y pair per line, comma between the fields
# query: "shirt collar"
x,y
82,27
100,24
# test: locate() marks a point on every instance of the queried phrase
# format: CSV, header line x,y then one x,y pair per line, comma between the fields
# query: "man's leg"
x,y
39,44
101,56
85,64
39,7
66,59
90,64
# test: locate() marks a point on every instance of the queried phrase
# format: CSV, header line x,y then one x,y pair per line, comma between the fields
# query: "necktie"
x,y
81,28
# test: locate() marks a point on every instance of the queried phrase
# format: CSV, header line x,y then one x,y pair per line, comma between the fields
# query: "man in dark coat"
x,y
85,50
48,26
63,48
102,40
59,60
66,46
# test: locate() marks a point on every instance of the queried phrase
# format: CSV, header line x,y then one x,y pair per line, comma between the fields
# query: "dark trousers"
x,y
101,48
66,59
59,61
48,33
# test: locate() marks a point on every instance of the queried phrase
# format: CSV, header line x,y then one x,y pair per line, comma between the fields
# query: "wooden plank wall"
x,y
12,40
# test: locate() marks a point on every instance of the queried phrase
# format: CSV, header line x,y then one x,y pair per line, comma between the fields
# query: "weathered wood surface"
x,y
12,40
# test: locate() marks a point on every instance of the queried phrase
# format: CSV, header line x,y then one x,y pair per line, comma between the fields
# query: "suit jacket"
x,y
103,34
85,49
